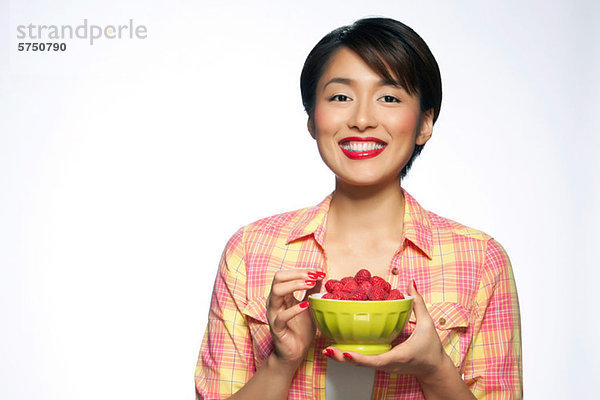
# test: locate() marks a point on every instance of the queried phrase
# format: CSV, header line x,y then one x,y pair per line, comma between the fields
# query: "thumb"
x,y
419,307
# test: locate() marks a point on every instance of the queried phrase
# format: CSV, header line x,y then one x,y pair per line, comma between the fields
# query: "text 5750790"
x,y
34,46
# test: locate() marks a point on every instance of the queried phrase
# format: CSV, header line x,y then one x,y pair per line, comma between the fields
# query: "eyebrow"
x,y
348,81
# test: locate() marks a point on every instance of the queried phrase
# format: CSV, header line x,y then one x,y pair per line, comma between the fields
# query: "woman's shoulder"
x,y
468,237
439,223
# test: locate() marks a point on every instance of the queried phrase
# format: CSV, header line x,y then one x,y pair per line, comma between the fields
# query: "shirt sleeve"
x,y
225,362
493,366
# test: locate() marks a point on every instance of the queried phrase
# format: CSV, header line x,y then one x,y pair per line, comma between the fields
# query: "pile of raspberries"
x,y
361,286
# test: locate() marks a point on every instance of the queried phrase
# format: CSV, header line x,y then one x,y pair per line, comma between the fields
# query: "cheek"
x,y
404,122
326,120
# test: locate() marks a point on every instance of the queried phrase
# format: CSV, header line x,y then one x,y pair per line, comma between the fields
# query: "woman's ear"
x,y
311,127
426,128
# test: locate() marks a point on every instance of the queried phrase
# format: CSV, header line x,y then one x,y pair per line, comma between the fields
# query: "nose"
x,y
363,116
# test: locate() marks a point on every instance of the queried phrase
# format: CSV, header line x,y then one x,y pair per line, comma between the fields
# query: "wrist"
x,y
282,368
438,374
444,382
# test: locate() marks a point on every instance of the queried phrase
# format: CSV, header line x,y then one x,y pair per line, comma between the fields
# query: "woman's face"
x,y
365,128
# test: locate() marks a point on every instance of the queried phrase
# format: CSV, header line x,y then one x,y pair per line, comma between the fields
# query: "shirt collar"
x,y
313,222
417,227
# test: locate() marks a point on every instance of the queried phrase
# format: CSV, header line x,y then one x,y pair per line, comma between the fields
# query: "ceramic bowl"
x,y
367,327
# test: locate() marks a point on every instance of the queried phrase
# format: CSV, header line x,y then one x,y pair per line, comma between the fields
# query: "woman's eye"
x,y
340,97
390,99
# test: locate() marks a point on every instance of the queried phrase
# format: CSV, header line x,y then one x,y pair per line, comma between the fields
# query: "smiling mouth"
x,y
361,146
357,148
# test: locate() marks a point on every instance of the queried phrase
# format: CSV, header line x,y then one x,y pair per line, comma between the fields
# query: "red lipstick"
x,y
356,151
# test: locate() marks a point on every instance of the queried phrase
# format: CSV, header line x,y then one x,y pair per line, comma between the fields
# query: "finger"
x,y
419,307
361,360
287,288
287,282
288,275
336,354
282,318
333,353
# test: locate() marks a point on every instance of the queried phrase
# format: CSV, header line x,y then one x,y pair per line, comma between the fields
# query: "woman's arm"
x,y
270,382
444,383
226,362
292,331
493,367
226,359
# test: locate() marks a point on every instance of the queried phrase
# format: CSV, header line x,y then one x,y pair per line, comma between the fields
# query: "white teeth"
x,y
362,146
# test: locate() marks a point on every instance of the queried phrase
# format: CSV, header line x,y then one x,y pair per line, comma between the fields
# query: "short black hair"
x,y
393,50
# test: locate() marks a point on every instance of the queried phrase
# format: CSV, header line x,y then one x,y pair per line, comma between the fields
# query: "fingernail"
x,y
322,274
312,275
348,356
415,285
310,283
330,352
326,353
304,304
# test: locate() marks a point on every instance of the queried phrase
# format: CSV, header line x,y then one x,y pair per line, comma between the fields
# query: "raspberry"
x,y
395,295
350,286
358,294
340,295
362,276
378,281
363,286
376,293
346,280
329,285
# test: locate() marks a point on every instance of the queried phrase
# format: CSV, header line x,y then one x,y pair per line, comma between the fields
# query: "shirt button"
x,y
395,271
442,321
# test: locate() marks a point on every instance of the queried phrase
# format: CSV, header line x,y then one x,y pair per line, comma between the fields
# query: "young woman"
x,y
372,92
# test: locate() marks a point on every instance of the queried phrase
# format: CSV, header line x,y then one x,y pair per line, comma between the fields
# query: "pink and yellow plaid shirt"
x,y
464,276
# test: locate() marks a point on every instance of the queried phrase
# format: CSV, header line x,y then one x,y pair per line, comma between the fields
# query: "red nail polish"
x,y
310,283
322,274
415,285
313,275
330,352
348,356
304,304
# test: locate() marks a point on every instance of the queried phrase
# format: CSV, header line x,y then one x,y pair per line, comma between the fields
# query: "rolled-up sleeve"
x,y
493,365
225,362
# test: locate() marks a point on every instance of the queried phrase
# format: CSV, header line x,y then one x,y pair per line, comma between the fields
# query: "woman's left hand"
x,y
421,355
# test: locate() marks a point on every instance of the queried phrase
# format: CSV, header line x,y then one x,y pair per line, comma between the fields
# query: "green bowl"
x,y
367,327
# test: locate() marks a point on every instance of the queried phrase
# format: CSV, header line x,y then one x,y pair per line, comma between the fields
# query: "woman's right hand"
x,y
292,331
292,328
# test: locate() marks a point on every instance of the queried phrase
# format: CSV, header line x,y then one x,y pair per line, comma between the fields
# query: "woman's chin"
x,y
366,181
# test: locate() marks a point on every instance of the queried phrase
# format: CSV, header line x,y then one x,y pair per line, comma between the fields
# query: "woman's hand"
x,y
421,355
292,328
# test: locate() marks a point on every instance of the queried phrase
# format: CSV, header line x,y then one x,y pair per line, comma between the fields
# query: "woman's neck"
x,y
372,211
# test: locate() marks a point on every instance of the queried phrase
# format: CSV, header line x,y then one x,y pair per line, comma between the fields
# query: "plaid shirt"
x,y
464,276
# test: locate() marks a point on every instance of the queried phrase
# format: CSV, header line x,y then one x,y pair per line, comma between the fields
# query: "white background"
x,y
125,166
